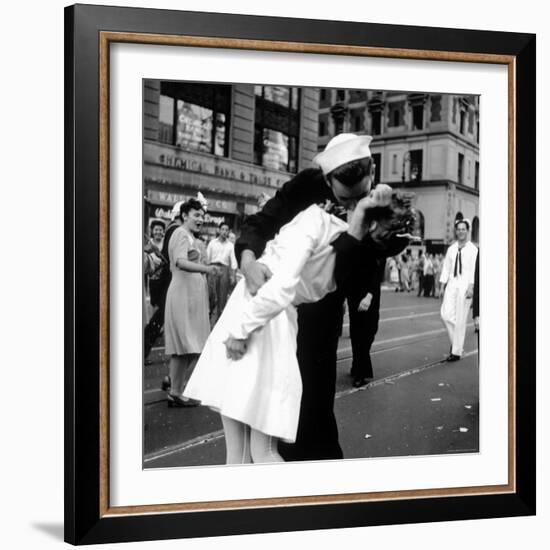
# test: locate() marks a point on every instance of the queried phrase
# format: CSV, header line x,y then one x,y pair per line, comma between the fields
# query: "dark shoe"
x,y
452,357
360,381
177,401
166,384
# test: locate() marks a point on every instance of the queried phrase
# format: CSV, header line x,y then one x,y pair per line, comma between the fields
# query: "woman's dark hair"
x,y
154,224
353,172
399,218
187,206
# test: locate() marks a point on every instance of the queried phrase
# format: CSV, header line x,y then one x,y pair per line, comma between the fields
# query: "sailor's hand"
x,y
255,273
365,303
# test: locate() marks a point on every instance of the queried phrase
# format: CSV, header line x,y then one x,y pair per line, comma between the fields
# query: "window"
x,y
377,160
341,95
418,117
462,122
357,120
396,114
420,224
338,125
277,123
324,98
475,229
356,96
376,117
195,117
274,150
476,180
416,165
460,174
396,118
166,119
194,127
324,124
394,164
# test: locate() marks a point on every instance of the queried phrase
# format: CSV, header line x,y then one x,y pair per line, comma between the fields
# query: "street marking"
x,y
405,307
398,339
213,436
393,377
410,316
375,352
200,440
154,390
428,333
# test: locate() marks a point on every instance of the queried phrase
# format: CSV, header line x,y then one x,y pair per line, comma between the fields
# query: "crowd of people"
x,y
188,278
420,273
251,328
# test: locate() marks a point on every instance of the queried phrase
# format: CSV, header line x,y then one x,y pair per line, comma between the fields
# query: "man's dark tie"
x,y
458,263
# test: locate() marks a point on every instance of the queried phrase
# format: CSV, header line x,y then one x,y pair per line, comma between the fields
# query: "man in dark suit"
x,y
344,177
364,313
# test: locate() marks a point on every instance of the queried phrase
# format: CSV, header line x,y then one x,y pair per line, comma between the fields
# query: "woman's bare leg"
x,y
263,447
237,441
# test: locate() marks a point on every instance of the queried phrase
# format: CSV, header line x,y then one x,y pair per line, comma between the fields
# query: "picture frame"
x,y
90,31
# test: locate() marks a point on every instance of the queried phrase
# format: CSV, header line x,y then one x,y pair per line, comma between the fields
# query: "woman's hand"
x,y
235,349
379,196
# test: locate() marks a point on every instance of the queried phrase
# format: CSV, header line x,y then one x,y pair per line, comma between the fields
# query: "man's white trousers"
x,y
454,313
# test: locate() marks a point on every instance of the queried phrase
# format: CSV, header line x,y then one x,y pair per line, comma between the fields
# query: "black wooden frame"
x,y
84,524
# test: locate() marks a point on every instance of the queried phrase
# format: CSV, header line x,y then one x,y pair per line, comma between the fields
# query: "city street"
x,y
417,404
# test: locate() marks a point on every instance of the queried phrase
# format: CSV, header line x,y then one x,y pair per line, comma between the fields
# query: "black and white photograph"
x,y
310,273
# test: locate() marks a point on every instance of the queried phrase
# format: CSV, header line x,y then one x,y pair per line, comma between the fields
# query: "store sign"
x,y
213,166
166,214
215,205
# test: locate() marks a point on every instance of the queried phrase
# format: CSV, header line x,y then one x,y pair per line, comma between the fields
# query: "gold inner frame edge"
x,y
105,39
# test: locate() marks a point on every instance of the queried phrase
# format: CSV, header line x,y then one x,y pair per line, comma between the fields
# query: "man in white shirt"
x,y
457,287
428,276
221,252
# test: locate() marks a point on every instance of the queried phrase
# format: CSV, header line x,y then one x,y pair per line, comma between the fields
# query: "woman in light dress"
x,y
186,324
394,273
248,370
405,273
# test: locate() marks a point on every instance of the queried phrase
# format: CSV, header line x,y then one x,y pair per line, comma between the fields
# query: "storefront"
x,y
231,188
158,206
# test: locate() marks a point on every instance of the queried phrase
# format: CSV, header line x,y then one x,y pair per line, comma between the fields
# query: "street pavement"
x,y
417,404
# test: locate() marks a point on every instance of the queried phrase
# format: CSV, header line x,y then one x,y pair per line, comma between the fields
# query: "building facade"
x,y
236,144
425,143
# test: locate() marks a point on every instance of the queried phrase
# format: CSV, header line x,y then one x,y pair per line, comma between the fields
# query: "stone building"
x,y
236,144
426,143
